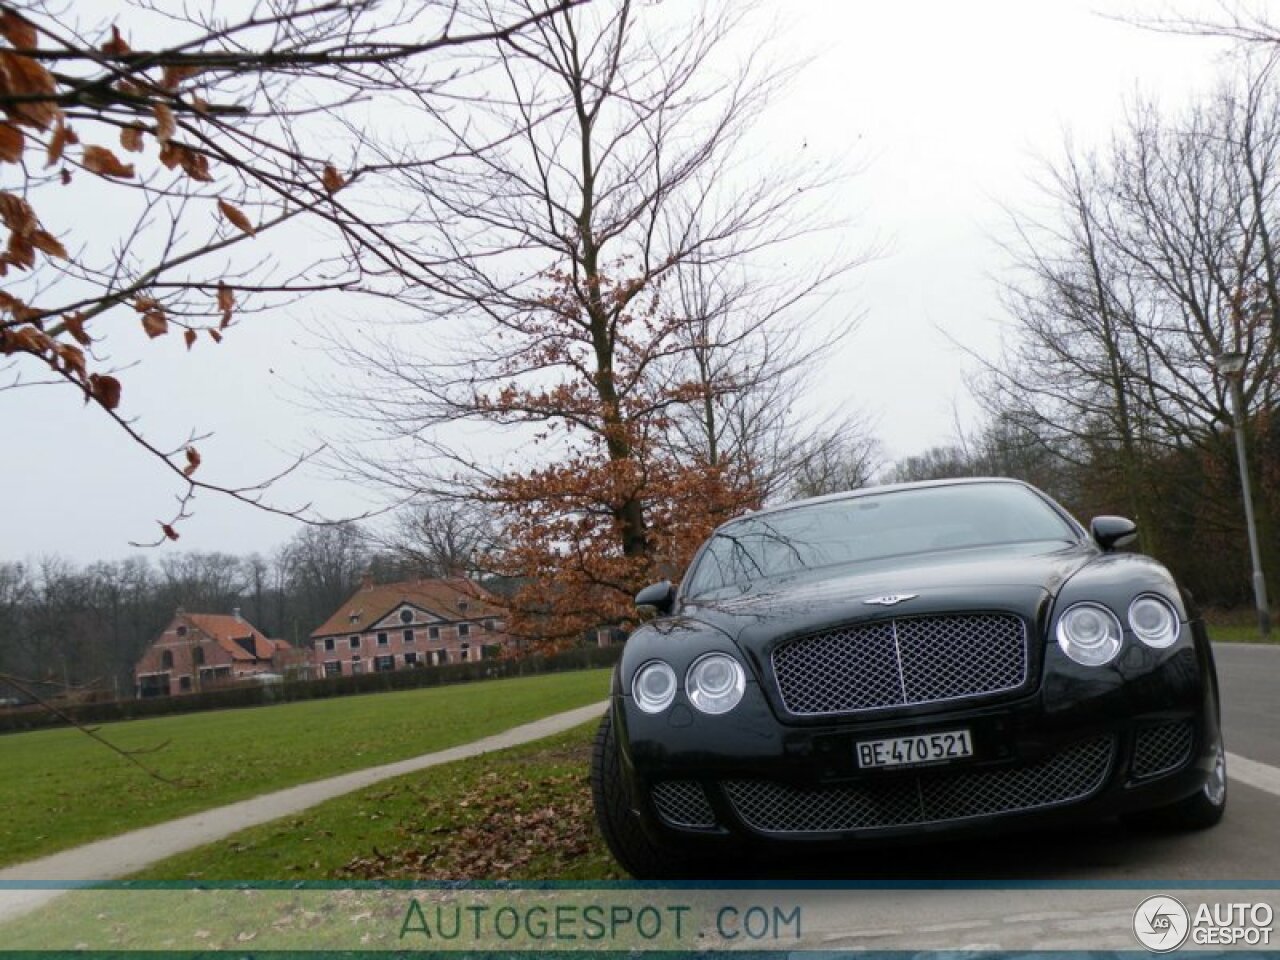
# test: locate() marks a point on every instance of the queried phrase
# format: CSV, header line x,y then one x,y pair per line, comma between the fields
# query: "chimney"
x,y
366,581
235,612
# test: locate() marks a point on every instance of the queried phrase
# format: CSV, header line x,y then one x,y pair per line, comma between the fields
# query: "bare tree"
x,y
589,194
1162,258
215,133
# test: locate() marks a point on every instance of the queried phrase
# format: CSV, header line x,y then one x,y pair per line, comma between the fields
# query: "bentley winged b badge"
x,y
891,599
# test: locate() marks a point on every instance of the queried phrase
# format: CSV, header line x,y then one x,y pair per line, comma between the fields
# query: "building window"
x,y
442,657
462,605
166,660
332,668
408,636
433,633
466,651
406,615
182,630
464,629
410,659
382,639
184,684
384,664
197,656
328,643
490,625
355,644
354,618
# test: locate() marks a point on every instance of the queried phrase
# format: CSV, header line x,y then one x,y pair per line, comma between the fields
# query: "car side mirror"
x,y
658,597
1112,532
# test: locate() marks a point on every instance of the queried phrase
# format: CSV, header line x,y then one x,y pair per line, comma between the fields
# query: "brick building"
x,y
200,650
414,623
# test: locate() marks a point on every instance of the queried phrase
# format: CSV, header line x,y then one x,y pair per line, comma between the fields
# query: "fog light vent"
x,y
1161,749
682,803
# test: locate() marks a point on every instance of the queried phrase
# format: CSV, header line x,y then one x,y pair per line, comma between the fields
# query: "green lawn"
x,y
62,789
1239,626
519,814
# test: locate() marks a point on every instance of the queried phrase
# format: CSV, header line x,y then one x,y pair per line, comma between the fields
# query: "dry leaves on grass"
x,y
503,828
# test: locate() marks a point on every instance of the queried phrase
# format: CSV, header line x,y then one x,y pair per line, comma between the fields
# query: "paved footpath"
x,y
130,852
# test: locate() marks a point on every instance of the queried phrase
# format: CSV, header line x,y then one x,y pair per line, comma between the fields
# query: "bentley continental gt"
x,y
905,661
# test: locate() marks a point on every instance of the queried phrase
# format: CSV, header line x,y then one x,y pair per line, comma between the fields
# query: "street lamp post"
x,y
1231,366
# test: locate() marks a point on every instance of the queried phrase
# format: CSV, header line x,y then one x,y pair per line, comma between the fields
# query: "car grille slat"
x,y
683,803
1070,775
1161,749
901,662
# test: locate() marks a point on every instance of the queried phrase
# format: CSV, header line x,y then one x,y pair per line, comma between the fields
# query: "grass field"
x,y
1238,626
61,789
519,814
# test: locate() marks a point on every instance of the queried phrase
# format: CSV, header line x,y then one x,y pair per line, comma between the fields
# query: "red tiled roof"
x,y
235,635
442,597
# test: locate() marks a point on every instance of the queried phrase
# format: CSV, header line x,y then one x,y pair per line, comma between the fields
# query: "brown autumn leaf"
x,y
193,462
105,389
102,161
195,165
20,252
22,77
48,244
332,180
116,46
174,75
74,323
72,359
17,30
62,135
11,143
237,217
226,303
166,126
190,337
131,139
155,323
17,214
169,532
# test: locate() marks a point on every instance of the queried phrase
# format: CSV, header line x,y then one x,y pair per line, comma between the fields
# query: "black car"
x,y
905,661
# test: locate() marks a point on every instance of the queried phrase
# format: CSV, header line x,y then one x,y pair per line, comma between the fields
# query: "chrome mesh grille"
x,y
1072,774
683,803
1161,749
901,662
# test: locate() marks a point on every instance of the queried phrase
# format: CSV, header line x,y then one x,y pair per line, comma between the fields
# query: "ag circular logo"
x,y
1161,923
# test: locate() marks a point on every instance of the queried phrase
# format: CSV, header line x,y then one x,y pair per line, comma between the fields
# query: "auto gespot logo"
x,y
1161,924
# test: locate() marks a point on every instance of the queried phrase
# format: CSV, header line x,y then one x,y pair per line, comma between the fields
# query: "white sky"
x,y
947,104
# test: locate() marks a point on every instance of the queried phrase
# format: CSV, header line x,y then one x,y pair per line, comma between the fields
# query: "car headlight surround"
x,y
654,686
1154,621
1089,634
715,683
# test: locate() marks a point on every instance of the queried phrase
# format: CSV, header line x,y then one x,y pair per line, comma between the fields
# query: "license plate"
x,y
925,748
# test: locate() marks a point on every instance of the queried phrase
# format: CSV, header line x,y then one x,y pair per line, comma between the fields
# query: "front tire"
x,y
635,851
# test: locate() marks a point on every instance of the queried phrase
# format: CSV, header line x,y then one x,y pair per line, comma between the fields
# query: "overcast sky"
x,y
948,106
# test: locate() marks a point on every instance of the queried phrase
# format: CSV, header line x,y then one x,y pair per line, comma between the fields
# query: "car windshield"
x,y
871,527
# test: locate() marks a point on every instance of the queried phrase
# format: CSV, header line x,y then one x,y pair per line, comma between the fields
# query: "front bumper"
x,y
1085,744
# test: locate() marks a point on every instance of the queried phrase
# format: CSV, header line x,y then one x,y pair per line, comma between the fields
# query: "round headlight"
x,y
1153,621
1089,633
715,683
654,686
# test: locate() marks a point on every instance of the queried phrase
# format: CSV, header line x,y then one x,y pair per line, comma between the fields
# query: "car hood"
x,y
1016,577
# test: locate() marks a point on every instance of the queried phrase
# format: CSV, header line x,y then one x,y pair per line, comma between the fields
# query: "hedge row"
x,y
256,695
